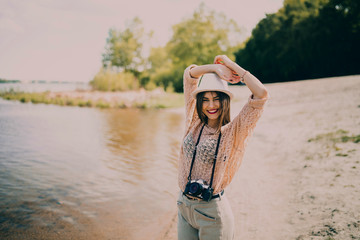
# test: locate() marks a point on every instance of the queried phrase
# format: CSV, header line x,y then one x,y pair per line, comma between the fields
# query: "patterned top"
x,y
232,143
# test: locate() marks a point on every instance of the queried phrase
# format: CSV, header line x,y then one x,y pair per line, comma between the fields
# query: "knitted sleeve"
x,y
237,133
190,85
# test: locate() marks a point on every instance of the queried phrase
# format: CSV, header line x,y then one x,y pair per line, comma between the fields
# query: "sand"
x,y
298,180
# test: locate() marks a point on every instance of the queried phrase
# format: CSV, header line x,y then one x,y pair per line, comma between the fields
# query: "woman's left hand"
x,y
256,87
225,61
226,74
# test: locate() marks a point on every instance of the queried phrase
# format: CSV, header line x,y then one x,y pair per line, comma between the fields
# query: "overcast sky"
x,y
63,40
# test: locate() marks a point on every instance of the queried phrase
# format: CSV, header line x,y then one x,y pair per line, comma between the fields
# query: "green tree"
x,y
304,39
198,40
109,80
160,68
123,49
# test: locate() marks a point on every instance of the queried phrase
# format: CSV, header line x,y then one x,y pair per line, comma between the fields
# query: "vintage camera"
x,y
197,188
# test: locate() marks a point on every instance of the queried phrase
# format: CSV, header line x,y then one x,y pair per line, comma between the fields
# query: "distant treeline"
x,y
2,80
305,39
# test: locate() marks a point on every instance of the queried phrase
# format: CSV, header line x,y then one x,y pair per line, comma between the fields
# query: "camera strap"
x,y
216,152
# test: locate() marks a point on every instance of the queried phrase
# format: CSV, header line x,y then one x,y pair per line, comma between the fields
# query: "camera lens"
x,y
195,188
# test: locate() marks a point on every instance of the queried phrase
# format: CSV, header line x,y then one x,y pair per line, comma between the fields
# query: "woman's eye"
x,y
205,100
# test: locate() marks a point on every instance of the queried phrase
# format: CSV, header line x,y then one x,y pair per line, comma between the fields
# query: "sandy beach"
x,y
299,180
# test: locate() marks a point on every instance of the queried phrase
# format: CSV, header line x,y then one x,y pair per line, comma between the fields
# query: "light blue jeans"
x,y
203,220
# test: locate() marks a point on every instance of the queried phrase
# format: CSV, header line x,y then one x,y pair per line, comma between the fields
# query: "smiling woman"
x,y
213,147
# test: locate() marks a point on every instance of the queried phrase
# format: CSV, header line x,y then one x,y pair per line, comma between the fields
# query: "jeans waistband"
x,y
200,199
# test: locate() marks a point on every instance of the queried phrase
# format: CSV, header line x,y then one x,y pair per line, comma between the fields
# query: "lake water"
x,y
85,173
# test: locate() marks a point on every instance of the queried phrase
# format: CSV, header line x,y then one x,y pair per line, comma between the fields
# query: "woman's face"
x,y
211,105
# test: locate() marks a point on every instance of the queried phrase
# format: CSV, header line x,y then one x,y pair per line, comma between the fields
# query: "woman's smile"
x,y
213,111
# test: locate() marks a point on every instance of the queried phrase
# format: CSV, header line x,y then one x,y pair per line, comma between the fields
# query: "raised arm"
x,y
224,72
256,87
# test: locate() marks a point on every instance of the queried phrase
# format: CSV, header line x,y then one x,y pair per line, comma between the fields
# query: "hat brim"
x,y
195,93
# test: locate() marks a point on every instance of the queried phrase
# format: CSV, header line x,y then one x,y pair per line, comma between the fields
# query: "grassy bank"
x,y
138,99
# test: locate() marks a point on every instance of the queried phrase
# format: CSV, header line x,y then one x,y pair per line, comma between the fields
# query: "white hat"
x,y
211,82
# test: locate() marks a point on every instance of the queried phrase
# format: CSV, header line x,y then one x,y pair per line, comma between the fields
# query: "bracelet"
x,y
242,77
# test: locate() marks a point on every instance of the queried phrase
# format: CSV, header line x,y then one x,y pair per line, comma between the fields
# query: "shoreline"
x,y
141,99
156,99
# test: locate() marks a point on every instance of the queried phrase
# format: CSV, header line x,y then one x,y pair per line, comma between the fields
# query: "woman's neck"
x,y
213,123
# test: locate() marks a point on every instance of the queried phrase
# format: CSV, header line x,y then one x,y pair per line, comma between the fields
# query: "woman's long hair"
x,y
224,117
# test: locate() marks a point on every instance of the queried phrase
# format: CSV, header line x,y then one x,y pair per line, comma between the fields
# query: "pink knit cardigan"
x,y
232,144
